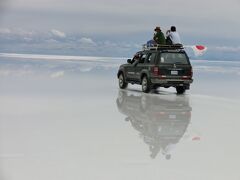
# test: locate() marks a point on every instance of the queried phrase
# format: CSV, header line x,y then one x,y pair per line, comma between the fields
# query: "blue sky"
x,y
116,28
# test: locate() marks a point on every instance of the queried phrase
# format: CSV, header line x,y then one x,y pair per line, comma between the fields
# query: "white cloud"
x,y
27,39
109,44
87,41
51,41
5,31
86,69
17,32
23,32
15,72
58,33
57,74
228,48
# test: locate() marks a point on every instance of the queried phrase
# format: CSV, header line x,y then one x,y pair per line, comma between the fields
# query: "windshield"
x,y
173,58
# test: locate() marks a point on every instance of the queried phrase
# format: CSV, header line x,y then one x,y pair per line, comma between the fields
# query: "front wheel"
x,y
121,81
180,89
146,85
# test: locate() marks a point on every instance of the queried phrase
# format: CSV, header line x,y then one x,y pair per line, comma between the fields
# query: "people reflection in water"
x,y
161,120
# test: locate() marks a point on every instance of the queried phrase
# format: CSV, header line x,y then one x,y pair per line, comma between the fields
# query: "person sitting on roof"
x,y
151,43
159,36
173,36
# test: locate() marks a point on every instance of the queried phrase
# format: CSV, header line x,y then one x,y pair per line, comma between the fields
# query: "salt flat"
x,y
68,119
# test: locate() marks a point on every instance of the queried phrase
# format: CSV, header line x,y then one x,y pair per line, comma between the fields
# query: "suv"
x,y
161,66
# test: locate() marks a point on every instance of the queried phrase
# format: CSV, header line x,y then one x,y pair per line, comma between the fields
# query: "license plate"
x,y
174,72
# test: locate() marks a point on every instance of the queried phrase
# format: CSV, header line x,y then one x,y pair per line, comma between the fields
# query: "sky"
x,y
116,28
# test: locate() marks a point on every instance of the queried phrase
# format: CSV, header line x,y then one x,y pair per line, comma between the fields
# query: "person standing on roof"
x,y
173,36
159,36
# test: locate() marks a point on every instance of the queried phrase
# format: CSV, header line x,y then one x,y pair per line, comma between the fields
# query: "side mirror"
x,y
129,61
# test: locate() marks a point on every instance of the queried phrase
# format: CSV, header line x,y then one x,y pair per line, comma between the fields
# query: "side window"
x,y
136,58
142,59
151,57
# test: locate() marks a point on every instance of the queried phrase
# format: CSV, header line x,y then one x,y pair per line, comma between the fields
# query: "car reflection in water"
x,y
162,120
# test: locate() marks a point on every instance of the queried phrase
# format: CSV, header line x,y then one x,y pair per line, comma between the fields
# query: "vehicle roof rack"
x,y
163,47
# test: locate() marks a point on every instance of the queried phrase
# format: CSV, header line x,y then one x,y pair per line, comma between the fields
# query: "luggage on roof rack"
x,y
162,47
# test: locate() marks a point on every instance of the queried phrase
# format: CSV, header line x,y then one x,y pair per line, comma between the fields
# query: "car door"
x,y
148,63
130,72
140,66
130,69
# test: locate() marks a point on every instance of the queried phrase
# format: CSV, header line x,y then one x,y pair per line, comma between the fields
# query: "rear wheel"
x,y
121,81
146,85
180,89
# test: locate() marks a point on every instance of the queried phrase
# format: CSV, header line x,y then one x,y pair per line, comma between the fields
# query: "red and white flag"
x,y
199,50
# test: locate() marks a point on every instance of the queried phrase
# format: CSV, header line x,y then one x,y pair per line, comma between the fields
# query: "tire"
x,y
180,89
146,84
122,82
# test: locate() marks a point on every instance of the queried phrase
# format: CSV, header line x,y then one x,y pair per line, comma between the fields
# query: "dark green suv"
x,y
162,66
